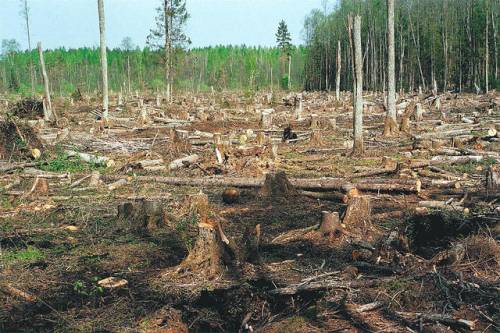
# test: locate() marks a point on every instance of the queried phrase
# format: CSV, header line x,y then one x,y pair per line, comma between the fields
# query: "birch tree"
x,y
391,68
47,110
358,110
104,59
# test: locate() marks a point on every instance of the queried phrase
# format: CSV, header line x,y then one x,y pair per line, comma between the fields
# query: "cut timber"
x,y
358,213
40,187
115,185
182,162
492,178
98,160
277,185
318,184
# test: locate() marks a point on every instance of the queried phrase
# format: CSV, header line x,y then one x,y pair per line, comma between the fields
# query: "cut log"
x,y
119,183
98,160
182,162
317,184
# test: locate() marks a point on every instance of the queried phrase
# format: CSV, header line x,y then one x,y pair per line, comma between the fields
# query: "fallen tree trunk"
x,y
319,184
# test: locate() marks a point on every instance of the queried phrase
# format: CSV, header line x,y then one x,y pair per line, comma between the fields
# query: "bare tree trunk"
x,y
104,60
166,8
391,63
358,111
32,72
289,71
128,76
48,109
339,67
495,37
487,50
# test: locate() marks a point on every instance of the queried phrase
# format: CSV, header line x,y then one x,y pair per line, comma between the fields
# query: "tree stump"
x,y
206,257
492,178
276,186
316,138
314,121
261,138
330,224
266,119
419,112
142,216
390,127
358,213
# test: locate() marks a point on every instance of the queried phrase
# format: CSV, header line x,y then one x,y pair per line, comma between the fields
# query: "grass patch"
x,y
30,254
61,162
471,166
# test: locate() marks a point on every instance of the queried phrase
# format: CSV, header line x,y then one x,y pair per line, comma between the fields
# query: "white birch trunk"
x,y
104,59
48,109
358,111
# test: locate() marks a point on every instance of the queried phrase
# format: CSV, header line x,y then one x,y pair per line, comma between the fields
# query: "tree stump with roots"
x,y
212,251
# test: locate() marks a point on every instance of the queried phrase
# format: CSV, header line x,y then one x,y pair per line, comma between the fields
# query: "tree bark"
x,y
289,71
32,73
104,60
391,65
339,67
48,110
358,111
487,51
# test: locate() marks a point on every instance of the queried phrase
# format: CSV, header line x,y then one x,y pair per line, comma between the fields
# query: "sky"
x,y
74,23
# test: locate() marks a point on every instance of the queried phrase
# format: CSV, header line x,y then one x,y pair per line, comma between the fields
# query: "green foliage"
x,y
448,45
30,254
199,69
284,82
471,167
61,162
88,289
283,38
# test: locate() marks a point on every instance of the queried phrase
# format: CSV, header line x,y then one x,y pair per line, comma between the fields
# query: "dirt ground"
x,y
412,268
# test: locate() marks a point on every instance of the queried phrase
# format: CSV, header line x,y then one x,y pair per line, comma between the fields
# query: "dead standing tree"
x,y
104,60
358,93
47,110
389,127
25,12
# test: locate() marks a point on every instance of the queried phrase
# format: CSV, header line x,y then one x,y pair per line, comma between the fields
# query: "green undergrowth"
x,y
27,255
471,167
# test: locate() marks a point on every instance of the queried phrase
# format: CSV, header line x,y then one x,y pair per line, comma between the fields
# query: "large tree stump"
x,y
142,215
358,213
211,252
276,186
206,257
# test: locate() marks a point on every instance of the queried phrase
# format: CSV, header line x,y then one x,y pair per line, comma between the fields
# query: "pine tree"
x,y
169,34
284,40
